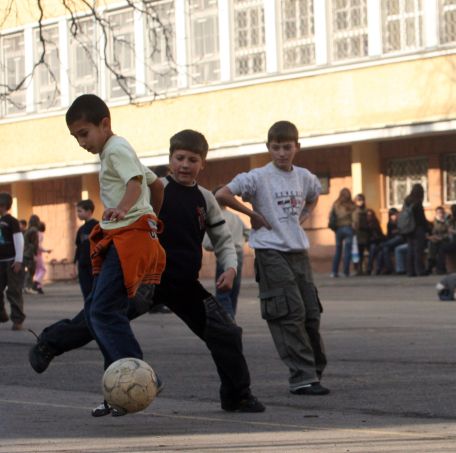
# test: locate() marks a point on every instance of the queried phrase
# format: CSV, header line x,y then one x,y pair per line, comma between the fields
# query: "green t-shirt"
x,y
119,164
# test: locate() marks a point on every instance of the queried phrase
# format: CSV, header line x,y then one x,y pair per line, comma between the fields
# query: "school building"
x,y
371,85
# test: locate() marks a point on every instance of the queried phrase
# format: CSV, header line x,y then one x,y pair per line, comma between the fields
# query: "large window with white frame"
x,y
83,57
204,41
47,75
449,178
349,29
14,72
298,33
402,174
121,58
447,29
402,25
160,47
249,37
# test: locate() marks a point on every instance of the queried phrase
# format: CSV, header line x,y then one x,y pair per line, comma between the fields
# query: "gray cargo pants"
x,y
290,305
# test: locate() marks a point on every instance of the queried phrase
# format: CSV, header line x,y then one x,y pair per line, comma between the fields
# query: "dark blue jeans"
x,y
85,278
106,312
229,299
344,238
384,259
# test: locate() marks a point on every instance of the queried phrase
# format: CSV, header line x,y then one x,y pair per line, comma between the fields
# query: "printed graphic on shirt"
x,y
290,203
202,216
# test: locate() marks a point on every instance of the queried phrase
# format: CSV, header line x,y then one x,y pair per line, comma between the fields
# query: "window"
x,y
13,54
447,21
449,175
83,57
298,47
249,38
402,174
204,54
121,66
161,73
47,75
402,23
349,29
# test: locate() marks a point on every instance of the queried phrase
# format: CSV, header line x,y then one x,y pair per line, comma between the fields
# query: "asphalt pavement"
x,y
392,374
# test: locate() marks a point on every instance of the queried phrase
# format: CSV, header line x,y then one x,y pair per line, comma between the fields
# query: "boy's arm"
x,y
307,211
156,195
18,240
132,193
226,197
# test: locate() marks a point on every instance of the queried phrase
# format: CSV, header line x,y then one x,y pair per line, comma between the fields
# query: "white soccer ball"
x,y
129,384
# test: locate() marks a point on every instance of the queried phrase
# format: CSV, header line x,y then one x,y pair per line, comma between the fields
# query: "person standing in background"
x,y
40,270
31,243
239,233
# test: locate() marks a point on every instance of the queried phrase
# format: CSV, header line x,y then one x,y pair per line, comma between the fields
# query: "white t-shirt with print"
x,y
280,196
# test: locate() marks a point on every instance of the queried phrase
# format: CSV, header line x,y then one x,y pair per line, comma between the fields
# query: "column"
x,y
22,207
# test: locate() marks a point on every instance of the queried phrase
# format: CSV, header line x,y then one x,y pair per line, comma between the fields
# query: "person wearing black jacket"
x,y
84,210
416,240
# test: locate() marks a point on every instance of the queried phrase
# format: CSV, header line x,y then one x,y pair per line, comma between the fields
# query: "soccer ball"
x,y
129,385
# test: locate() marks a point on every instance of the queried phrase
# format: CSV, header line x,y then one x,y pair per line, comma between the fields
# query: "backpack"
x,y
332,223
406,220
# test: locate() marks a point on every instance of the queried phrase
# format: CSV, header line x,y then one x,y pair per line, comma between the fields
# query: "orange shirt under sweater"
x,y
141,256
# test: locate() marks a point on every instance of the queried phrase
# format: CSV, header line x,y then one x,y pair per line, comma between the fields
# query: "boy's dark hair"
x,y
23,222
87,205
42,227
283,131
189,140
87,107
6,200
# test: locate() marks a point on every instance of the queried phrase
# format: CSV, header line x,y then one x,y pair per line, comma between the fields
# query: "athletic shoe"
x,y
40,356
103,409
4,315
249,404
310,389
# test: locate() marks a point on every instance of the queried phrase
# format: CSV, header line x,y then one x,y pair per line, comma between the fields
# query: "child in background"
x,y
40,269
83,264
11,271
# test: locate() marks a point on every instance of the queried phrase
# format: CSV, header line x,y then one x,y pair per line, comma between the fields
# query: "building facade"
x,y
369,83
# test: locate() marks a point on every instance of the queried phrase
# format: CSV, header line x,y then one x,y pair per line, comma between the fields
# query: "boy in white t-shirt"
x,y
282,196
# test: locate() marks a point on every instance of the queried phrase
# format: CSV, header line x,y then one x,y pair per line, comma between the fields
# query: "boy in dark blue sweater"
x,y
188,211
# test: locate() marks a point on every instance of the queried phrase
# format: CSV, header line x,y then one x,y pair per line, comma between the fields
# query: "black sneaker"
x,y
40,356
249,404
103,409
311,389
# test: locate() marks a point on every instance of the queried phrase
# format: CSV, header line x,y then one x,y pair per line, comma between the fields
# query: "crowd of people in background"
x,y
411,245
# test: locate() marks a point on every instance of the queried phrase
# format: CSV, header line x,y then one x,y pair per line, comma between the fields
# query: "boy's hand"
x,y
258,221
113,214
16,267
225,281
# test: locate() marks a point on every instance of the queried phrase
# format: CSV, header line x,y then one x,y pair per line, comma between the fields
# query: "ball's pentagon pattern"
x,y
129,384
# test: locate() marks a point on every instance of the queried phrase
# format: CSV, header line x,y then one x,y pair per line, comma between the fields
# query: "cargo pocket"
x,y
274,304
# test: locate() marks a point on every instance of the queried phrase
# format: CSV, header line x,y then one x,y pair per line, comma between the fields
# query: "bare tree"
x,y
96,35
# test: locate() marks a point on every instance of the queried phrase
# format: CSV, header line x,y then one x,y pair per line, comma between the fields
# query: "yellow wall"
x,y
355,99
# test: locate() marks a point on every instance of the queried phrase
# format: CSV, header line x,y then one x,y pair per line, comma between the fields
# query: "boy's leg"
x,y
209,321
300,263
106,312
283,308
85,278
14,295
3,281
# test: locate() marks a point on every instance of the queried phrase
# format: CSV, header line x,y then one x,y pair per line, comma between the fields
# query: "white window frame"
x,y
446,198
54,86
443,9
248,52
296,42
402,17
159,73
362,30
20,96
88,81
114,90
409,182
203,14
